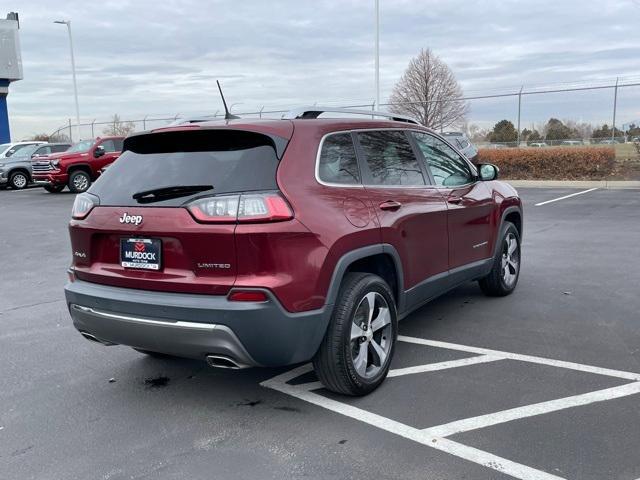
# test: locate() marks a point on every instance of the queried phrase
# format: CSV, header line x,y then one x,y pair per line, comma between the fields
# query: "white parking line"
x,y
398,372
471,454
504,416
435,437
566,196
433,367
524,358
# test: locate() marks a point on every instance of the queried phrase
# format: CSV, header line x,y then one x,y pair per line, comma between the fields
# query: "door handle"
x,y
390,205
455,200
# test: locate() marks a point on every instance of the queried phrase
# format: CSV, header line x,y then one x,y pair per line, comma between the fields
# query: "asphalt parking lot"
x,y
542,384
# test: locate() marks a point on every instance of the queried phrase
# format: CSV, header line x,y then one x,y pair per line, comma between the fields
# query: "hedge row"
x,y
552,163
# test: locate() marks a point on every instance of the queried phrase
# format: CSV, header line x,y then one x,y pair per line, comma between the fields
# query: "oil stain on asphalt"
x,y
157,382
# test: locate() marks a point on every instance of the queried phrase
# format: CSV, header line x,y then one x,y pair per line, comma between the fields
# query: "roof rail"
x,y
315,112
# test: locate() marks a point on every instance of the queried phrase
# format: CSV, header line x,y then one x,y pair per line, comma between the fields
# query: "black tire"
x,y
54,188
154,354
334,362
19,180
79,181
497,283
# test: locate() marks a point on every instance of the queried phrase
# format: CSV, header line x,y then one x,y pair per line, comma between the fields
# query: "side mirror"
x,y
488,172
99,151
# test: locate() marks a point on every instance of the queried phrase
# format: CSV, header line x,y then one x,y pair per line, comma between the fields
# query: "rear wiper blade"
x,y
166,193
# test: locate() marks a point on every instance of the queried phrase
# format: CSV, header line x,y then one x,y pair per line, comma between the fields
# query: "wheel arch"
x,y
512,214
15,170
381,259
81,166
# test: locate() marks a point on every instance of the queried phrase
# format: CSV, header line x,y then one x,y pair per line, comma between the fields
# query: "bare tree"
x,y
119,127
476,133
583,129
41,137
55,138
429,92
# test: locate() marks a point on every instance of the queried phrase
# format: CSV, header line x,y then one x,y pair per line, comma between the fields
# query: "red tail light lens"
x,y
248,296
83,204
246,208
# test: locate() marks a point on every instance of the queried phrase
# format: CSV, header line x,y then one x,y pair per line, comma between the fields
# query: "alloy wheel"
x,y
19,180
510,259
371,335
81,183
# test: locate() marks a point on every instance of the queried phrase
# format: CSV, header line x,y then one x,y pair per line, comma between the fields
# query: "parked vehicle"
x,y
8,149
571,143
15,170
78,166
462,142
538,144
275,242
49,148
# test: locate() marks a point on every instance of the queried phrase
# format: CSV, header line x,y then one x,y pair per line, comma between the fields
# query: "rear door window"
x,y
390,158
229,161
338,163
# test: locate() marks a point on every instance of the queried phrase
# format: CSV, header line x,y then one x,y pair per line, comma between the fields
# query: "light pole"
x,y
73,72
377,67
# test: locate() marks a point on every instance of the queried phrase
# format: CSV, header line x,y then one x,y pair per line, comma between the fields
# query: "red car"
x,y
77,167
275,242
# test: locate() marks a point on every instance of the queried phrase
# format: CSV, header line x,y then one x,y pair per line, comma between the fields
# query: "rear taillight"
x,y
245,208
83,204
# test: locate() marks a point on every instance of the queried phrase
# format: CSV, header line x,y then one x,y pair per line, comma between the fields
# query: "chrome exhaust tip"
x,y
93,338
222,361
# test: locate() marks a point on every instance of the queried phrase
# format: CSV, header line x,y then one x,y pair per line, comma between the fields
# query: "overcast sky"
x,y
157,58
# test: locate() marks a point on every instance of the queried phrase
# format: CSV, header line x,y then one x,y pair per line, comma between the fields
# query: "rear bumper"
x,y
194,326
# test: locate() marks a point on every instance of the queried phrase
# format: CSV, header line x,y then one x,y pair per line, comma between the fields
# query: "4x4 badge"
x,y
134,219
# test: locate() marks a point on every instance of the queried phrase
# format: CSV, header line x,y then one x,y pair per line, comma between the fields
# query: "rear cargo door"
x,y
139,238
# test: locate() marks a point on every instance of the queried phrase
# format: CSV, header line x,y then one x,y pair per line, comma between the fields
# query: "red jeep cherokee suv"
x,y
78,166
274,242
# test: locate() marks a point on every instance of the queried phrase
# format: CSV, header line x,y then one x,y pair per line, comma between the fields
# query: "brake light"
x,y
245,208
83,204
248,296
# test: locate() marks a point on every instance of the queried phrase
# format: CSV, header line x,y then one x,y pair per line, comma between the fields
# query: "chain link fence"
x,y
527,109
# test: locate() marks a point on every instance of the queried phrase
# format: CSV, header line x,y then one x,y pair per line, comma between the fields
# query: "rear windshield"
x,y
229,161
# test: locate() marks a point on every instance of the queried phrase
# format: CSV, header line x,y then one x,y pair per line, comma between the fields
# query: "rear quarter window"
x,y
338,163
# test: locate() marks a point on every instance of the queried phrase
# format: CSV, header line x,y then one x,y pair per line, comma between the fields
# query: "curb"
x,y
607,184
